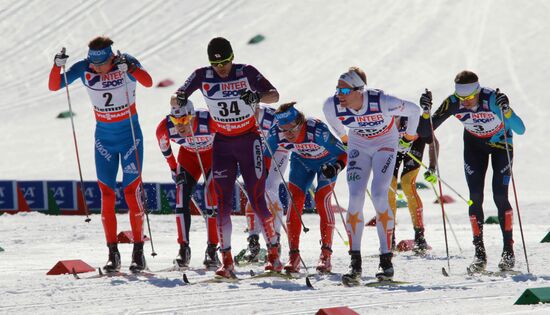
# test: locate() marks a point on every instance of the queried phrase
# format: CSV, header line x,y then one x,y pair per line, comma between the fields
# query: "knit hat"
x,y
219,48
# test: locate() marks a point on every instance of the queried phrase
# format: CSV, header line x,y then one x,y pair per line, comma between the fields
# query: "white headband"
x,y
352,78
467,89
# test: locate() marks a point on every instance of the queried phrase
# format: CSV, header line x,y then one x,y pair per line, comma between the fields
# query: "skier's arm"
x,y
268,93
333,121
164,143
331,143
192,83
441,114
510,118
139,73
391,105
272,142
57,80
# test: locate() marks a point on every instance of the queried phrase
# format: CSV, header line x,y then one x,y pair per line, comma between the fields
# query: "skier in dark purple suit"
x,y
232,92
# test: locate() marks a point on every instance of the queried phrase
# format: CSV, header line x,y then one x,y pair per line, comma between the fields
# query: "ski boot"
x,y
420,244
480,259
211,259
184,256
227,269
138,259
293,264
385,268
353,277
253,248
507,260
113,264
273,262
324,266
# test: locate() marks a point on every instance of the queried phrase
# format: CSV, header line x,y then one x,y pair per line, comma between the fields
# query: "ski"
x,y
242,259
382,283
102,274
500,273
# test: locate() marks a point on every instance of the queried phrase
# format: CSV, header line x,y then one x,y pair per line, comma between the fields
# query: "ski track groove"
x,y
336,292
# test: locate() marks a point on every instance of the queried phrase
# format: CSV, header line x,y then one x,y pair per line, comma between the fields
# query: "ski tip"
x,y
308,283
87,220
444,272
185,279
252,273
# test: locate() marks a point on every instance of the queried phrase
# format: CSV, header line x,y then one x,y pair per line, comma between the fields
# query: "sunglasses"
x,y
222,63
290,129
183,120
347,91
468,97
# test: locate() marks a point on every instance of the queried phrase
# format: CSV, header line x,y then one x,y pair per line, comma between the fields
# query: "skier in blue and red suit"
x,y
481,111
232,92
103,75
315,153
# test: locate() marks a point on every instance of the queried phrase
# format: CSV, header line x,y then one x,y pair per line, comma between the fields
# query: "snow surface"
x,y
404,46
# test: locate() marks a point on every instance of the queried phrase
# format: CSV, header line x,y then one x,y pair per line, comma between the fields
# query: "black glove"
x,y
250,98
181,98
426,101
60,58
178,178
503,102
124,64
331,170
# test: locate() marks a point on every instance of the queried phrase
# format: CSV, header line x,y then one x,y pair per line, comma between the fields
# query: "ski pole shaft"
x,y
341,216
447,218
514,186
142,189
468,201
75,142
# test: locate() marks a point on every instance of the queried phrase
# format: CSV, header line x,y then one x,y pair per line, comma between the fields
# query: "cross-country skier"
x,y
231,92
480,110
103,75
266,119
315,153
408,185
194,132
372,146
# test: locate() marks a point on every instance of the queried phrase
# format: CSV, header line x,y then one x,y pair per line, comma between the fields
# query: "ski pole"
x,y
447,218
468,201
343,221
206,182
141,187
264,140
514,186
308,282
75,142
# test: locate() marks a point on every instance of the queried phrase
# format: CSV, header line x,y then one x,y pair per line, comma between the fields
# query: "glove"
x,y
124,64
178,178
331,170
430,176
250,98
503,103
181,98
404,145
426,101
60,58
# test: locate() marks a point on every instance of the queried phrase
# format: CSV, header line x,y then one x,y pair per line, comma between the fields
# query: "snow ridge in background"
x,y
404,47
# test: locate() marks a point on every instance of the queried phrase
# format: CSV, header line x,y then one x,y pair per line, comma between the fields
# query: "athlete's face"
x,y
348,96
184,130
470,103
223,70
291,131
104,68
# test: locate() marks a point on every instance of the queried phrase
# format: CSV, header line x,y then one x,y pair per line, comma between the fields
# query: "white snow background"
x,y
404,47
